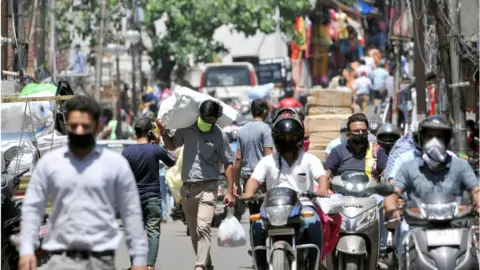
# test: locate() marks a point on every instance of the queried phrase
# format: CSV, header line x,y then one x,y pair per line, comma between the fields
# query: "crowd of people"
x,y
87,183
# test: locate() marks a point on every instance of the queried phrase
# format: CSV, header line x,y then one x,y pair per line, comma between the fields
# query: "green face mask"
x,y
203,126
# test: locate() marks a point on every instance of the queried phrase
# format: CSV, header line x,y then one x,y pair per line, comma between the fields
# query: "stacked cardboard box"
x,y
327,109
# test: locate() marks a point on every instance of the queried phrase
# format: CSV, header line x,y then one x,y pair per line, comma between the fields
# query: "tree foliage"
x,y
191,25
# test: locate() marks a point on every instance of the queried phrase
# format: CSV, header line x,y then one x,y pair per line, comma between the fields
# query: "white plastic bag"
x,y
231,233
181,110
331,205
174,176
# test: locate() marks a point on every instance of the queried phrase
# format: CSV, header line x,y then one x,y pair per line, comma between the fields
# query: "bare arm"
x,y
252,186
323,181
229,176
238,167
476,197
267,151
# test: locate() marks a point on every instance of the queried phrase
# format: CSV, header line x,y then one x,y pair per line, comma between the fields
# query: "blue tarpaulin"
x,y
363,7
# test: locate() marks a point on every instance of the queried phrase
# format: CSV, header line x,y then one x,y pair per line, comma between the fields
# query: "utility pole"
x,y
21,52
99,62
118,130
457,102
4,34
418,10
398,70
53,55
134,61
41,22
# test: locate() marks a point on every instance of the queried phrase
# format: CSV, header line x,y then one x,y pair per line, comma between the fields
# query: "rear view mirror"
x,y
11,153
384,189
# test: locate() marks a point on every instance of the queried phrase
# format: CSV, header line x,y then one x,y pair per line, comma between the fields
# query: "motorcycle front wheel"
x,y
352,262
280,260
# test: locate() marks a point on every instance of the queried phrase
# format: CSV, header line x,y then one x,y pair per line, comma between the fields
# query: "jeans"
x,y
164,192
400,232
152,208
310,228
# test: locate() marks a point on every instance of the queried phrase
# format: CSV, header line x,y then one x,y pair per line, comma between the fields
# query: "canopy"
x,y
36,88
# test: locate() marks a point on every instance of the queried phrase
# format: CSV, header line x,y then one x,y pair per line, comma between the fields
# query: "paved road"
x,y
176,251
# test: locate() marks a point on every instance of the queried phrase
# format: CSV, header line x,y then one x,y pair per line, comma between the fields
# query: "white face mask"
x,y
434,152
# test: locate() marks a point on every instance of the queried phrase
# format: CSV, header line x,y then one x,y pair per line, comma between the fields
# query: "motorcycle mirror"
x,y
384,189
11,153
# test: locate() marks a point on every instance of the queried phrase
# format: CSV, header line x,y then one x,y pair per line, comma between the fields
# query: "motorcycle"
x,y
359,240
11,216
443,234
282,213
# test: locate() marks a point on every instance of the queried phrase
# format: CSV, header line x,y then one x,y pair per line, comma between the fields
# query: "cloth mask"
x,y
203,126
83,141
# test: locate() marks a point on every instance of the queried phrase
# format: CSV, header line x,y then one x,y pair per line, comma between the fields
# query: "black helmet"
x,y
342,81
287,122
435,122
387,135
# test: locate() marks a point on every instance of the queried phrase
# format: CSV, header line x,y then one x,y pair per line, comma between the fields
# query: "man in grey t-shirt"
x,y
254,142
205,147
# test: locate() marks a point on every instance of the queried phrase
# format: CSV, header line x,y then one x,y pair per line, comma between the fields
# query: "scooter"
x,y
443,234
11,215
359,241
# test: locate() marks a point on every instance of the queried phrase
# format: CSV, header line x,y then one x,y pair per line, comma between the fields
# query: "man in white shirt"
x,y
292,168
363,86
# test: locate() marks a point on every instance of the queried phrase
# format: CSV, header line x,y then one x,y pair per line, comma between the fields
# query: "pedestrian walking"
x,y
144,158
85,184
205,147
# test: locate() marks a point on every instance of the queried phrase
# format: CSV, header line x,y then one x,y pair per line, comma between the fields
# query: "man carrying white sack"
x,y
205,146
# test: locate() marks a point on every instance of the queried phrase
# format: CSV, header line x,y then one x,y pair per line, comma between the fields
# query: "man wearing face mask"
x,y
432,170
288,167
86,183
358,154
205,146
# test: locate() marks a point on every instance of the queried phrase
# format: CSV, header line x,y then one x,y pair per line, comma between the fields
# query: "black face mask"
x,y
287,146
359,139
83,141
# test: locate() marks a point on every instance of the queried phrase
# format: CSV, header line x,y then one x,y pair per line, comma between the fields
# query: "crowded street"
x,y
240,134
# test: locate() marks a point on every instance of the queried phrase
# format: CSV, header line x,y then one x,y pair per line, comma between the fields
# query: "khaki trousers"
x,y
199,201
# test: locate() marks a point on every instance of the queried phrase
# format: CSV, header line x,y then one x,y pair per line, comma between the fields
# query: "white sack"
x,y
51,141
181,109
263,91
37,120
26,159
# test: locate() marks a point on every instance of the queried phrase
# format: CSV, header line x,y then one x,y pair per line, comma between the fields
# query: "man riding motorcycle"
x,y
358,154
387,135
289,167
432,170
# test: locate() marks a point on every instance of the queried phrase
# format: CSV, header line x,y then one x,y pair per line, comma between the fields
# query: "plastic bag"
x,y
173,176
231,233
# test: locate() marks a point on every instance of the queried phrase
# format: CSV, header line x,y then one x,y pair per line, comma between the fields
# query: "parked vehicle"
x,y
443,234
282,213
11,216
228,80
359,241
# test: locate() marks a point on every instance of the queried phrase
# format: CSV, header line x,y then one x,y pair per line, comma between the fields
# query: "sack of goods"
x,y
181,109
230,232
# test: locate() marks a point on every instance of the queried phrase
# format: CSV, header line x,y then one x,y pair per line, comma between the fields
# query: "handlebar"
x,y
260,197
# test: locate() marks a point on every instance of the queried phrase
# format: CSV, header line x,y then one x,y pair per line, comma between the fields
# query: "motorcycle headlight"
x,y
367,217
278,215
444,211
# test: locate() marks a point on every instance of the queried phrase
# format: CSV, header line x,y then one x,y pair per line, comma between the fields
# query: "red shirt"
x,y
290,103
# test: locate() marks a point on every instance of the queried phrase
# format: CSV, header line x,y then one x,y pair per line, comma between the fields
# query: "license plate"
x,y
43,231
443,238
282,231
